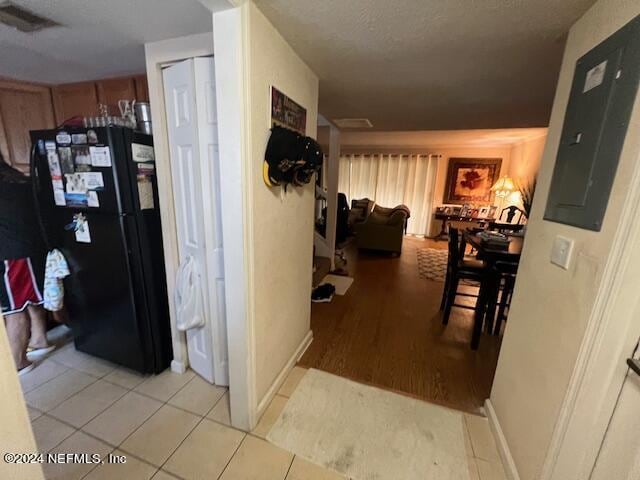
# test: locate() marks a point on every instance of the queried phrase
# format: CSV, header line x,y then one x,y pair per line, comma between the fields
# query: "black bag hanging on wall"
x,y
290,158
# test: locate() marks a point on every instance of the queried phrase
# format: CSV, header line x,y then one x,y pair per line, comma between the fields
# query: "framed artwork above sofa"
x,y
469,180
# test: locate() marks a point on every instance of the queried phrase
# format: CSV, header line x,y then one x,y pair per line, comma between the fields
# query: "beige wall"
x,y
16,436
526,157
525,164
551,306
281,229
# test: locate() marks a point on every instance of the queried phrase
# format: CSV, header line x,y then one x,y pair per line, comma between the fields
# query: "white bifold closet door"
x,y
190,101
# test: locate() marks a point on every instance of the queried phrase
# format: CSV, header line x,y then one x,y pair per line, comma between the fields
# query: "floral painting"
x,y
469,180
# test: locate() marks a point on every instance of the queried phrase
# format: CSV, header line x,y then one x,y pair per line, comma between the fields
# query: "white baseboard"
x,y
501,441
178,367
277,383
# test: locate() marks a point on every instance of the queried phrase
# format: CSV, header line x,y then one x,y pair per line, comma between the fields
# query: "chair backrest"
x,y
511,210
454,246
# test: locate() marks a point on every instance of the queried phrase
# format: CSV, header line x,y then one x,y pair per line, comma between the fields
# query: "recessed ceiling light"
x,y
353,122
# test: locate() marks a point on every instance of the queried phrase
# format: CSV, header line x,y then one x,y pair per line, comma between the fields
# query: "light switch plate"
x,y
561,251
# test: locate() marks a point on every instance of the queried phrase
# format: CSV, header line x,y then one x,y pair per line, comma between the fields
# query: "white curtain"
x,y
391,180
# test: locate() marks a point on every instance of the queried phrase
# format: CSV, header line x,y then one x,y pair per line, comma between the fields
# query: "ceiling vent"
x,y
23,20
353,122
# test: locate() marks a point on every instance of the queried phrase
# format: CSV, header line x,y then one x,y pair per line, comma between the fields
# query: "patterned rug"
x,y
432,263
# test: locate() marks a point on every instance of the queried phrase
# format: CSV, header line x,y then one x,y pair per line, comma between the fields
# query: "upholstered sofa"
x,y
382,228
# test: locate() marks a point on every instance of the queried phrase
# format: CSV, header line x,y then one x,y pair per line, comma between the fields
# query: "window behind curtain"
x,y
391,180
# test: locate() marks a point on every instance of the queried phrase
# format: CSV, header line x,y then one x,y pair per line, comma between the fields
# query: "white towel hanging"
x,y
188,296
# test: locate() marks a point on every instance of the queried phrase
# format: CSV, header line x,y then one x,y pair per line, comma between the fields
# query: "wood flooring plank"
x,y
387,331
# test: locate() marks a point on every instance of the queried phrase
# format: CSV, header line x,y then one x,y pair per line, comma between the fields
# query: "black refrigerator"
x,y
97,200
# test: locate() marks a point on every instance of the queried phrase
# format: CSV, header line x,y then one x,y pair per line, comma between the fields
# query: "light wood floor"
x,y
387,331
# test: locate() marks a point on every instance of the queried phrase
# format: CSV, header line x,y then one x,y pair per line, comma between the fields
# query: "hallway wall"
x,y
17,436
526,157
282,224
551,306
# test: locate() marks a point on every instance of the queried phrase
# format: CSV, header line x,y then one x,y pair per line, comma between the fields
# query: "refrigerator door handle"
x,y
35,189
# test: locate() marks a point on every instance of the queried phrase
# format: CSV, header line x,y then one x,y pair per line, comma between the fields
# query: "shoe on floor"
x,y
323,293
39,352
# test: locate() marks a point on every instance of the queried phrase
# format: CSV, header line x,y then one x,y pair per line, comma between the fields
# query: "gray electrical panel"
x,y
604,88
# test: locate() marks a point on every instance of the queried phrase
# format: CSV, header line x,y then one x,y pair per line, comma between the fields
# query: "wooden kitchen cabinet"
x,y
142,88
113,89
82,99
23,107
75,99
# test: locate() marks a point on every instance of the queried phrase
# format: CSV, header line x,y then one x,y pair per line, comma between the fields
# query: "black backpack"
x,y
290,158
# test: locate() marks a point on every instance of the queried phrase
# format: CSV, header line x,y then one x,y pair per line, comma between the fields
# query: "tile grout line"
x,y
82,371
80,429
216,404
97,414
290,465
231,458
180,444
96,466
64,423
165,403
43,383
67,398
180,408
128,390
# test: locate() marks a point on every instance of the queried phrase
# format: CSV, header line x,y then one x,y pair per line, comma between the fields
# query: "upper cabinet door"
x,y
75,99
142,88
114,89
23,107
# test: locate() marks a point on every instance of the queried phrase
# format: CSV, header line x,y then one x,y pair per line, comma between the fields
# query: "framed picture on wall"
x,y
287,113
469,180
483,212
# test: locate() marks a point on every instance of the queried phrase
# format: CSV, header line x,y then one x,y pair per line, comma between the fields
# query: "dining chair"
x,y
506,226
507,272
459,268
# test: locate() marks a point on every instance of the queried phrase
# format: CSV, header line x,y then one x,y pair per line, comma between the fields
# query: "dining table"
x,y
492,256
492,253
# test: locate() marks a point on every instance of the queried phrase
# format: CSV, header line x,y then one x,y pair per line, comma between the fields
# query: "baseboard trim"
x,y
501,441
277,383
178,367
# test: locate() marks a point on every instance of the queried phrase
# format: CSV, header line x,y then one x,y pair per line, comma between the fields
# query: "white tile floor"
x,y
173,426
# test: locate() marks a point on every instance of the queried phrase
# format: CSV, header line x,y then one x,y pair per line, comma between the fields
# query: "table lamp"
x,y
502,189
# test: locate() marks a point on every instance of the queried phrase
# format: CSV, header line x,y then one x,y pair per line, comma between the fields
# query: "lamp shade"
x,y
503,187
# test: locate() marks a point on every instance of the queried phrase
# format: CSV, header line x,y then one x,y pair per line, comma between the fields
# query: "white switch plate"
x,y
561,251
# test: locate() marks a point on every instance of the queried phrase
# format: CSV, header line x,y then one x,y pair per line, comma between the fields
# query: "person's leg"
x,y
38,319
61,316
18,332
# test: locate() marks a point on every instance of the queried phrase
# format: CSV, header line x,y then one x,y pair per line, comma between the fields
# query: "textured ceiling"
x,y
97,39
442,138
431,64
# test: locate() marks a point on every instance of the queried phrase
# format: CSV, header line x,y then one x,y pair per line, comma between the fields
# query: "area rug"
x,y
368,433
432,263
341,283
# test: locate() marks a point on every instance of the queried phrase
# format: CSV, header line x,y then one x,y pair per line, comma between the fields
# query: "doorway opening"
x,y
401,203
